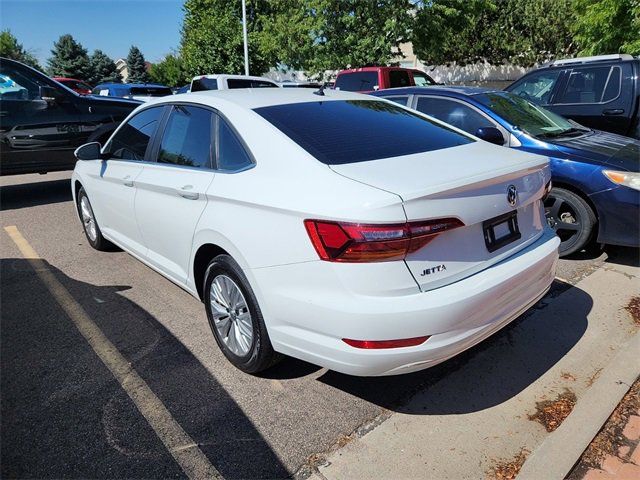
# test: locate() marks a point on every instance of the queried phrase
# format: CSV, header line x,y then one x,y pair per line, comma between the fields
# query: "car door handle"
x,y
185,192
127,181
613,111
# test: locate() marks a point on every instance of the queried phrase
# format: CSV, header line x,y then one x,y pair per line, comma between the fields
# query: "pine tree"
x,y
136,66
69,59
11,48
103,69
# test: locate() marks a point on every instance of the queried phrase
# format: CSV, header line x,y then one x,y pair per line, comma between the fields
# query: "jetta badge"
x,y
512,195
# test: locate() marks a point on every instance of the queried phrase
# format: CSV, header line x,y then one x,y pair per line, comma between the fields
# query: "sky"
x,y
109,25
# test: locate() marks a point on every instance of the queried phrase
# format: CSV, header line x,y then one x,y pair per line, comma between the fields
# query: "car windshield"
x,y
528,117
350,131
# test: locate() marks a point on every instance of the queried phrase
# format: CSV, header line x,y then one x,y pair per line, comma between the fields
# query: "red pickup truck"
x,y
368,79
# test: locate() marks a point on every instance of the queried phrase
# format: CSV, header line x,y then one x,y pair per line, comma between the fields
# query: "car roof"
x,y
459,90
135,85
252,98
218,76
371,69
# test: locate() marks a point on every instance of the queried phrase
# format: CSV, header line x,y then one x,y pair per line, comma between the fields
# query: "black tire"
x,y
260,355
572,218
99,242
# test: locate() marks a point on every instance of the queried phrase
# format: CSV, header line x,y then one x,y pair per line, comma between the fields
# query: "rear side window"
x,y
403,100
454,113
187,137
422,79
351,131
399,78
231,154
240,83
612,90
585,85
202,84
357,81
132,139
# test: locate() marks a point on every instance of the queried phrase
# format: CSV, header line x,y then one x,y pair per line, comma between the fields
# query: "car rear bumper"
x,y
308,312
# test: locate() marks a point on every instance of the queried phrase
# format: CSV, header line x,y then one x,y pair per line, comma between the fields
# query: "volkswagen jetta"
x,y
338,228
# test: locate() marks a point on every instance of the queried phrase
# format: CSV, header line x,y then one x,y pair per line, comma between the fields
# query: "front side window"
x,y
454,113
350,131
231,154
132,139
187,137
399,78
18,84
357,81
150,91
585,85
537,87
422,79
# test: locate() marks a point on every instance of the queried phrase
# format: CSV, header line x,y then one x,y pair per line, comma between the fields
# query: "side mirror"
x,y
491,135
89,151
49,94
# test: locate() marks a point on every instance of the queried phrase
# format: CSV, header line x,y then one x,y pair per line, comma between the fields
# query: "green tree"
x,y
69,59
11,48
169,71
319,35
522,32
103,69
607,26
136,66
212,37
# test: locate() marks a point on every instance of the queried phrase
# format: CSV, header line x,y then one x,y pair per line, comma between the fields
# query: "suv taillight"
x,y
356,242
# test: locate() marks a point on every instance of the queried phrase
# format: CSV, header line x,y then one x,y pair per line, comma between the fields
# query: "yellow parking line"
x,y
179,444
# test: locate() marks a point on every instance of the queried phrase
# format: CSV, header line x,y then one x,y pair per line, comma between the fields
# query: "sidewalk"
x,y
486,418
615,452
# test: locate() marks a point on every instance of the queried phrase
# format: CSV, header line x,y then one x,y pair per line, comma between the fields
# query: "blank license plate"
x,y
501,230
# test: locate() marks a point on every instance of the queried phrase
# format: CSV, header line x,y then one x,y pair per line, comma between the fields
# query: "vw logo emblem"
x,y
512,195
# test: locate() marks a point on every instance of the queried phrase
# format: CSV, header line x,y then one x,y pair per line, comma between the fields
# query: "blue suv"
x,y
596,179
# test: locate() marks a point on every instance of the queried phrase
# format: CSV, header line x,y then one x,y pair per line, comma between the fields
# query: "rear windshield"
x,y
357,81
202,84
150,91
242,83
352,131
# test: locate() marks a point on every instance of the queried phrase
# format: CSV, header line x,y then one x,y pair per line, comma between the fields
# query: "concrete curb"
x,y
560,451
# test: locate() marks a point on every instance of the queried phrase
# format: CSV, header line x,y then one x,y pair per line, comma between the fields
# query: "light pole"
x,y
244,34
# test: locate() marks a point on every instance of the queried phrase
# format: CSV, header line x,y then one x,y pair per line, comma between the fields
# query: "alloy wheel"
x,y
231,316
88,219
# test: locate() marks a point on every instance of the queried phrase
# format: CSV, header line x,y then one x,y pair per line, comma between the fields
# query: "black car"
x,y
601,92
42,122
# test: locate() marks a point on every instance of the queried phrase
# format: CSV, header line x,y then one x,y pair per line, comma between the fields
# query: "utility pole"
x,y
244,34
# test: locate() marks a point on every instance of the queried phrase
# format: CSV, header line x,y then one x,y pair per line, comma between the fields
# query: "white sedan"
x,y
338,228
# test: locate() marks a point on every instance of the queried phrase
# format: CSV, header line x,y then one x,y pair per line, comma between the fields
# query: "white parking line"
x,y
179,444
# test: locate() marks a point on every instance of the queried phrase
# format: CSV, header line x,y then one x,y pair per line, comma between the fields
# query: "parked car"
x,y
227,82
376,241
136,91
601,92
595,175
369,79
74,84
43,122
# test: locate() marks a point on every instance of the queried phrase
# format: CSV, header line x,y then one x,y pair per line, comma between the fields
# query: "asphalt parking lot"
x,y
65,415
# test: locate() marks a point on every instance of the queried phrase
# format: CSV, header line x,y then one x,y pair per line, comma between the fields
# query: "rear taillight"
x,y
355,242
